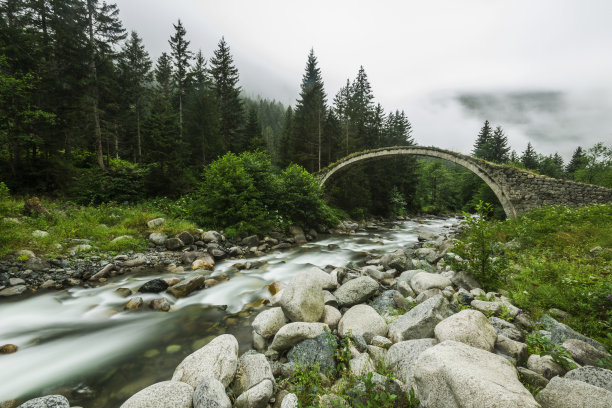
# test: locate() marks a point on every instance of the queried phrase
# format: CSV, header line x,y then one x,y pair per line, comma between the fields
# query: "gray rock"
x,y
292,333
330,299
364,321
158,238
250,241
453,374
565,393
469,327
464,280
218,360
302,299
154,286
506,329
597,376
561,332
16,281
486,307
356,291
160,304
49,401
210,393
319,350
385,303
37,264
396,260
583,352
204,261
298,234
420,321
174,244
402,356
331,316
326,280
138,261
361,365
186,238
405,289
256,397
212,236
268,322
290,401
511,348
161,395
104,272
123,292
134,303
380,341
429,293
531,377
253,368
157,222
184,288
544,365
39,234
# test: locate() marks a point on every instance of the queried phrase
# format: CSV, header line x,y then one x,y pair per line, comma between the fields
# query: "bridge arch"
x,y
480,168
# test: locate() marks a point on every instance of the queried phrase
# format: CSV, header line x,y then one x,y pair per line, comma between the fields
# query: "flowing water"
x,y
79,342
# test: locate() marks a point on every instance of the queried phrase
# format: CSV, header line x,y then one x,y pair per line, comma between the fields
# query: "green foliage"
x,y
122,184
542,346
343,355
479,247
306,384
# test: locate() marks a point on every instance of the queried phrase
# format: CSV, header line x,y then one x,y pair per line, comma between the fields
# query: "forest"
x,y
87,116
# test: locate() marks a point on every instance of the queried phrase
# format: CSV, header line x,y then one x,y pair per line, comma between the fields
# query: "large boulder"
x,y
597,376
326,280
268,322
361,365
161,395
453,375
158,238
204,261
364,321
564,393
184,288
157,222
420,321
49,401
544,365
331,317
356,291
560,332
253,368
218,360
396,260
402,356
319,350
583,352
257,396
302,300
154,286
505,328
385,302
210,393
468,326
292,333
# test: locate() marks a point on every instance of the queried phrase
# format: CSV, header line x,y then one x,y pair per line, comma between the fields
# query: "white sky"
x,y
419,57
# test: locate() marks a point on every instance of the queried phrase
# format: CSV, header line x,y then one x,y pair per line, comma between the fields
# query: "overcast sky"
x,y
542,69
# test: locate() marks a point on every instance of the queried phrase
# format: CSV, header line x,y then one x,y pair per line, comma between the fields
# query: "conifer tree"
x,y
225,84
361,110
530,158
341,106
252,132
577,162
498,149
181,56
482,144
285,149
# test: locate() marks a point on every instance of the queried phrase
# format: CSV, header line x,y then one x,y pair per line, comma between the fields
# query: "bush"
x,y
95,186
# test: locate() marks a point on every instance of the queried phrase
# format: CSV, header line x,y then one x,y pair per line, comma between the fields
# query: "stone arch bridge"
x,y
518,191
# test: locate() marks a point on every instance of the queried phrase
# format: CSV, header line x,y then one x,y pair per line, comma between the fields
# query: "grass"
x,y
559,257
99,224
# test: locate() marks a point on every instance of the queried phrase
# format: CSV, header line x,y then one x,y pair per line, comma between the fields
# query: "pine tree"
x,y
398,130
252,132
481,146
135,71
341,106
181,56
377,126
310,113
530,158
361,110
163,75
225,84
285,149
577,162
498,149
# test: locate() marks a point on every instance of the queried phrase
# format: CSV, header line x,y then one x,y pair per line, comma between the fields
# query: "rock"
x,y
544,365
331,316
26,253
464,280
157,222
364,321
174,244
356,291
172,281
584,353
469,327
531,377
319,350
330,299
259,342
332,401
49,401
121,238
160,304
34,206
217,253
506,329
138,261
405,289
186,238
205,261
453,374
256,397
429,293
250,241
184,288
402,356
511,348
16,281
597,376
104,272
561,332
253,368
154,286
210,393
13,290
380,341
50,283
293,333
268,322
485,307
276,287
212,236
325,279
396,260
290,401
426,236
158,238
218,360
39,234
302,300
161,395
420,321
123,292
37,264
8,349
361,365
298,234
134,303
385,303
565,393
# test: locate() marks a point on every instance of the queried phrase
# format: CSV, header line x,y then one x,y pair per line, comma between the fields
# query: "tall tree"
x,y
361,110
182,56
252,132
482,144
498,147
577,162
163,75
225,84
310,113
341,106
286,148
530,158
104,31
135,73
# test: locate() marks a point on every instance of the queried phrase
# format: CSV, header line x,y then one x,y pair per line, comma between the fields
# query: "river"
x,y
79,342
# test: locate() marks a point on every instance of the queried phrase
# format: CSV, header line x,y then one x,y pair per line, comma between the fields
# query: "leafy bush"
x,y
542,346
95,186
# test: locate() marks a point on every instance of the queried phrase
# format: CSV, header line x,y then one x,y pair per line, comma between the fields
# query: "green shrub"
x,y
95,186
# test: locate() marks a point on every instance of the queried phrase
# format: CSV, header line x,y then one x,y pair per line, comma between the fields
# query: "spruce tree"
x,y
163,76
361,110
530,158
181,56
341,106
225,84
252,132
498,149
577,162
482,144
285,148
